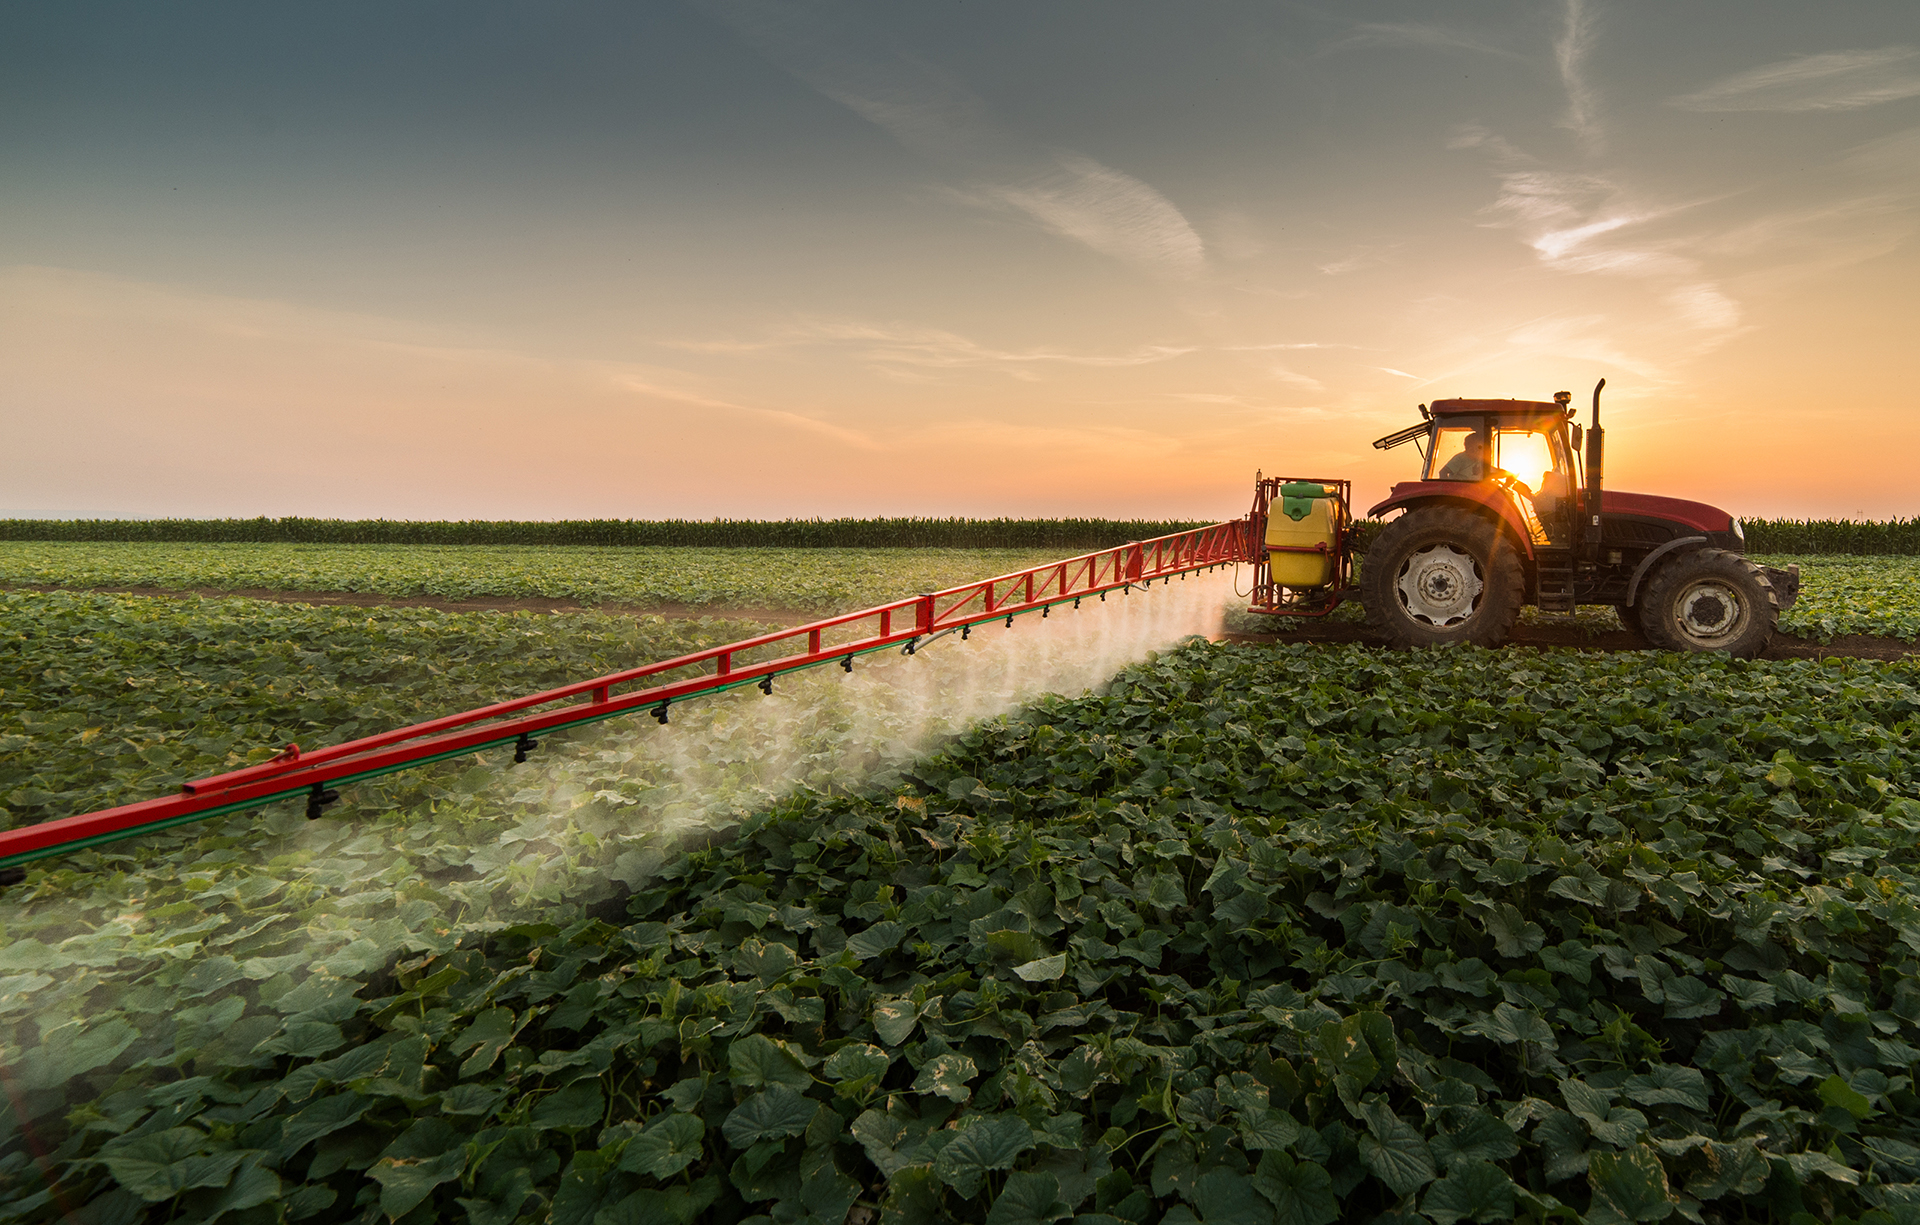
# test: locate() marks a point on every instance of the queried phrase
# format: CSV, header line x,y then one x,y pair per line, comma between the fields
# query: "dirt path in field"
x,y
1784,646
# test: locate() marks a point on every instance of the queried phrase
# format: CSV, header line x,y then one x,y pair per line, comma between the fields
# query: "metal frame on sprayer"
x,y
653,688
1276,600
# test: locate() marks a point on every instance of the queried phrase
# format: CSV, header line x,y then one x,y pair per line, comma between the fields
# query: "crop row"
x,y
1840,595
1825,536
1253,934
810,580
903,533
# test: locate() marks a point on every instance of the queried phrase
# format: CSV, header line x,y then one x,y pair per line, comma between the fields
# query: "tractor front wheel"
x,y
1709,600
1439,576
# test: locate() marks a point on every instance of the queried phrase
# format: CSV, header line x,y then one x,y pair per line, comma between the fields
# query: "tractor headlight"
x,y
1739,532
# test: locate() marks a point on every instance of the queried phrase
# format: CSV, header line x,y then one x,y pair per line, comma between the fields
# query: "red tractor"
x,y
1504,515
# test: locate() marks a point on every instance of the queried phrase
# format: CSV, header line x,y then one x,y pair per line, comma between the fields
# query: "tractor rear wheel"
x,y
1438,576
1709,600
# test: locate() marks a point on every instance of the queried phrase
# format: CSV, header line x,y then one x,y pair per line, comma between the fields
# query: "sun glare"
x,y
1526,455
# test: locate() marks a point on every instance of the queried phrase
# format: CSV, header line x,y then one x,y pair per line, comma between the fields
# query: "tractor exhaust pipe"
x,y
1596,466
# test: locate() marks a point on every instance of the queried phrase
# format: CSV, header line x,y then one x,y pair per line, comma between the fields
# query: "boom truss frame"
x,y
652,688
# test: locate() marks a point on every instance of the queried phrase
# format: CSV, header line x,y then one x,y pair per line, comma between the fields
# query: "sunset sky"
x,y
740,259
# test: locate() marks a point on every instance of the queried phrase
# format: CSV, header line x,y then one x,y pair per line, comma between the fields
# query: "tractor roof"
x,y
1517,408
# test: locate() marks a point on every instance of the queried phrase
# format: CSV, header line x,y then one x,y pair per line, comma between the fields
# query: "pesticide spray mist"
x,y
215,944
826,730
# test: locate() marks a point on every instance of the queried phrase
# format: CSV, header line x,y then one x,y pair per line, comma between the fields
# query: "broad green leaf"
x,y
670,1144
304,1040
251,1186
162,1164
1145,947
768,960
1028,1199
1017,946
1739,1168
1395,1152
946,1075
406,1181
322,1118
880,938
1514,935
486,1037
1628,1186
778,1111
1807,1164
1835,1091
1045,969
1301,1192
894,1020
1669,1083
471,1099
1472,976
756,1061
1224,1197
578,1105
1688,997
1507,1024
1481,1137
882,1136
993,1143
855,1060
1262,1127
671,1206
1473,1191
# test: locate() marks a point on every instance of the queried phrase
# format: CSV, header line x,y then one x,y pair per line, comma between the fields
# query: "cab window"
x,y
1525,454
1459,454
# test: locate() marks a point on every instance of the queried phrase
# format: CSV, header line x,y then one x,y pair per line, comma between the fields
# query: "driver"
x,y
1470,464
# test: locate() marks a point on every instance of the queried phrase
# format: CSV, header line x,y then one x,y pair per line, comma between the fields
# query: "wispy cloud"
x,y
934,114
1829,81
1570,52
930,348
1411,34
1111,212
1358,258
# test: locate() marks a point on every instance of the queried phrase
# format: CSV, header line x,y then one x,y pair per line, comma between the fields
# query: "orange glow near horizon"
x,y
865,262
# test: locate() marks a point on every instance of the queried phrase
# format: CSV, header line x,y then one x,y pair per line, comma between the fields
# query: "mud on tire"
x,y
1709,600
1435,577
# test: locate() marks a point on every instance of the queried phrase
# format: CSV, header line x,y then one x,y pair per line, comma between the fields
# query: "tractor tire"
x,y
1436,577
1709,600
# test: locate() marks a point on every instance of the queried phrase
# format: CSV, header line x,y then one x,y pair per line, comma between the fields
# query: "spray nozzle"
x,y
317,800
521,747
846,665
1076,603
660,713
1046,612
766,684
966,632
1009,620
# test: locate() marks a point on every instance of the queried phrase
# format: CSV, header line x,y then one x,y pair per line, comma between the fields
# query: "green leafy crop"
x,y
805,580
1260,935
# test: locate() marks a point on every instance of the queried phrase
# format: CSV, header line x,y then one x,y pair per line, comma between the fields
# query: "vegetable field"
x,y
801,580
1071,534
1854,595
1249,934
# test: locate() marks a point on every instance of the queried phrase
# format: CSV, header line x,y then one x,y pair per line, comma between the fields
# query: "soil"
x,y
1784,646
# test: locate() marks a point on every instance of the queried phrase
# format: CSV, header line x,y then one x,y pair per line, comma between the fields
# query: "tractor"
x,y
1506,514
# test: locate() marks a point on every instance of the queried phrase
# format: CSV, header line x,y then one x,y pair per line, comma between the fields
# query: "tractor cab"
x,y
1523,454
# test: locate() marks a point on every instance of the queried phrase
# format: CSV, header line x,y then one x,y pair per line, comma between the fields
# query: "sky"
x,y
760,260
